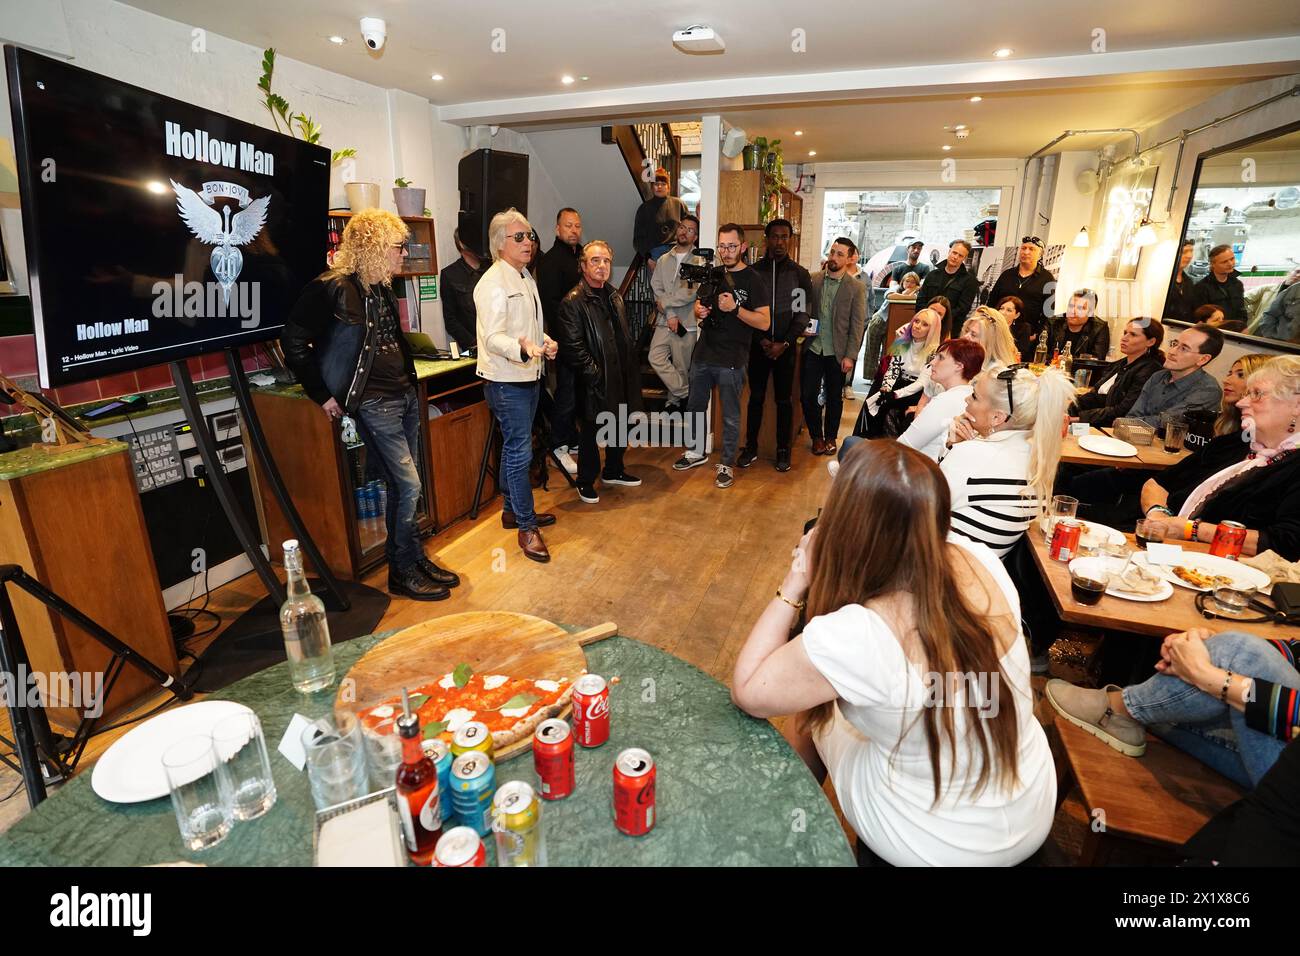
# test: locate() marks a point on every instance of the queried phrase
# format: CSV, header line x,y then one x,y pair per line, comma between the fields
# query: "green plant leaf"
x,y
462,674
433,729
417,701
519,700
427,212
342,154
402,183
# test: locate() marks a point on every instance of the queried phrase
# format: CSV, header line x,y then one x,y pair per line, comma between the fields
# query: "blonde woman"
x,y
1003,453
884,411
989,328
344,341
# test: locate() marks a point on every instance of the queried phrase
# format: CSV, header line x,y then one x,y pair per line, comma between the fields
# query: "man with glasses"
x,y
674,318
1086,333
557,274
1183,385
344,342
955,283
1033,285
1222,289
722,353
512,347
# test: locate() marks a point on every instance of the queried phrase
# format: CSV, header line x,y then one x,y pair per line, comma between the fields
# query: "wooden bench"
x,y
1162,797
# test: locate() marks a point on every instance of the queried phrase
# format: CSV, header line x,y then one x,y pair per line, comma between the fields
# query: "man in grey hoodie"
x,y
675,322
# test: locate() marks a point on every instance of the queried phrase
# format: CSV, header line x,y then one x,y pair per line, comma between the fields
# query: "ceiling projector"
x,y
698,39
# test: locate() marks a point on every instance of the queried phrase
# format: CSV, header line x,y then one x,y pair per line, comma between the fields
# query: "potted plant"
x,y
750,154
409,200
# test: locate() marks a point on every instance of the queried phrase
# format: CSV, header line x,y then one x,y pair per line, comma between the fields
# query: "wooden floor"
x,y
676,563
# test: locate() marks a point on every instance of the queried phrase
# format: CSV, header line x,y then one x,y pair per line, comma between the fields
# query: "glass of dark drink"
x,y
1148,532
1086,590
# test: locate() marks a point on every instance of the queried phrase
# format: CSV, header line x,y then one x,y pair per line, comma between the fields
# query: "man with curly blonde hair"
x,y
344,341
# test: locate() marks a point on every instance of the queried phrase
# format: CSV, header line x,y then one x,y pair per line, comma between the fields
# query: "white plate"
x,y
1103,534
131,770
1096,567
1243,576
1104,445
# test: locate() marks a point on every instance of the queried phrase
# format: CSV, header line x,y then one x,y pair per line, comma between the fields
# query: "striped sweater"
x,y
987,479
1275,708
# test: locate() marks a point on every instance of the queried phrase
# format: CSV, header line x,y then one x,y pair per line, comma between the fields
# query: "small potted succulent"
x,y
409,199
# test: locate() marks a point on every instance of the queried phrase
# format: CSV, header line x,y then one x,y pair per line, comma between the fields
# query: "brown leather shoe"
x,y
533,546
819,446
830,447
543,519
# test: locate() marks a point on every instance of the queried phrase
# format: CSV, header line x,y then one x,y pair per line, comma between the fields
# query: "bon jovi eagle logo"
x,y
220,229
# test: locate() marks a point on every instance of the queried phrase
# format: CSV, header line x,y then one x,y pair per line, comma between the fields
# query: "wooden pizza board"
x,y
490,642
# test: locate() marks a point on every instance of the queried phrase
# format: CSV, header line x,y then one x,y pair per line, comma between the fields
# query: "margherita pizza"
x,y
1200,579
511,707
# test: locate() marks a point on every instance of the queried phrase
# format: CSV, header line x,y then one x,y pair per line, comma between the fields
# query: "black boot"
x,y
412,584
436,574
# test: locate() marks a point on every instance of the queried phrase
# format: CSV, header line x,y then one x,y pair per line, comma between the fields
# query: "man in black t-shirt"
x,y
722,354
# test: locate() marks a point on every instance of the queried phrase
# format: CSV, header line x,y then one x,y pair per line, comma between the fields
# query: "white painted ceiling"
x,y
620,44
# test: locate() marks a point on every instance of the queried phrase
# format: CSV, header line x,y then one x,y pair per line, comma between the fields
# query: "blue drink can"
x,y
438,751
363,505
381,491
372,496
473,782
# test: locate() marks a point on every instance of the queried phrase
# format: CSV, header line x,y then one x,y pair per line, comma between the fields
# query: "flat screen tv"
x,y
155,230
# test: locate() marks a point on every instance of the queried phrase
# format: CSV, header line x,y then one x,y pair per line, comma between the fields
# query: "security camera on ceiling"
x,y
698,39
374,31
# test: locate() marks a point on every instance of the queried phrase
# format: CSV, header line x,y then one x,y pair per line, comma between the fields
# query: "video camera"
x,y
712,280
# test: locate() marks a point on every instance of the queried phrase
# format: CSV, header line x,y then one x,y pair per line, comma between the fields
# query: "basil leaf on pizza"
x,y
434,728
519,700
417,701
462,674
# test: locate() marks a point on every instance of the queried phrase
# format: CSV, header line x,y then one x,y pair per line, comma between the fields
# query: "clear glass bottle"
x,y
306,632
1067,361
1040,353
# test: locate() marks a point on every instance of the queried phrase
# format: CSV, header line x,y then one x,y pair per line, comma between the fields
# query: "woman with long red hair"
x,y
912,675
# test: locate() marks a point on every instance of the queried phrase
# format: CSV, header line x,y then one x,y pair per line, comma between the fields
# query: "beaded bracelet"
x,y
1223,694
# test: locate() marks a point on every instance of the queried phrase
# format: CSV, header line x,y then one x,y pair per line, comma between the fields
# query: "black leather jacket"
x,y
583,349
782,279
329,336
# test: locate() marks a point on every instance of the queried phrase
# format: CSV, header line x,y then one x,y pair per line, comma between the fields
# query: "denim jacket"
x,y
328,338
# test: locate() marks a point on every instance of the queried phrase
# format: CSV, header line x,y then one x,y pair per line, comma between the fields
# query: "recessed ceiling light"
x,y
1003,52
976,99
436,77
584,78
946,147
337,39
798,132
812,152
566,79
960,126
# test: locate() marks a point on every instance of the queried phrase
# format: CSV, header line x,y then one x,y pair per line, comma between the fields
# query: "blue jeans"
x,y
390,427
1197,723
514,404
730,381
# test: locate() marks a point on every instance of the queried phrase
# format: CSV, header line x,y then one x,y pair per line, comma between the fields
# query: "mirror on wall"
x,y
1240,251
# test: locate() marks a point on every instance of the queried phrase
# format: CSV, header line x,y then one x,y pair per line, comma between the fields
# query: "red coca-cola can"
x,y
634,792
460,846
590,710
1229,539
1065,540
553,758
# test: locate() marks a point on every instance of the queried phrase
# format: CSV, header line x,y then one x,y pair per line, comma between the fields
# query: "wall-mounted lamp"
x,y
1146,234
1081,240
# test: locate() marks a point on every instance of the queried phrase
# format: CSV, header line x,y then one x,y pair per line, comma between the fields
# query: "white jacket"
x,y
677,298
508,306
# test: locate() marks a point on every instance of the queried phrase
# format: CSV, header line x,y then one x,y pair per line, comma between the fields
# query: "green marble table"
x,y
730,790
30,461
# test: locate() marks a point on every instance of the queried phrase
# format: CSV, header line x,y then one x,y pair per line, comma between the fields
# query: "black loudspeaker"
x,y
490,182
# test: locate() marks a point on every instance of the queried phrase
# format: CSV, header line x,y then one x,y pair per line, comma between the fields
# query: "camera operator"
x,y
722,353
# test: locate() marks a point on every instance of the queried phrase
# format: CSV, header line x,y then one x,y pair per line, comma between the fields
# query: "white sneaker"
x,y
566,460
833,466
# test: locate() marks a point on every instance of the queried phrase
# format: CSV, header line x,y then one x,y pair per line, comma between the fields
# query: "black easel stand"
x,y
217,475
34,742
484,467
253,427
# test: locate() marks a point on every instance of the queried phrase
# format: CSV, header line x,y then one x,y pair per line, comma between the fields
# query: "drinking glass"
x,y
383,757
200,791
1175,432
242,748
1086,590
336,760
1081,378
1148,532
1063,506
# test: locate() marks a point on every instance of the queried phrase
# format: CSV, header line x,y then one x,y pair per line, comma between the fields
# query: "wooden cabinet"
x,y
740,199
455,450
73,522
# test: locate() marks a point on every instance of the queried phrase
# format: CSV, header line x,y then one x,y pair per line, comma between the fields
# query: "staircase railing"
x,y
638,297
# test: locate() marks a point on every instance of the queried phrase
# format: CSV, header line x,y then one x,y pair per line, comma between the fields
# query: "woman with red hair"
x,y
955,364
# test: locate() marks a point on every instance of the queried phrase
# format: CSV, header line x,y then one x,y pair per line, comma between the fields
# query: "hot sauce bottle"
x,y
417,790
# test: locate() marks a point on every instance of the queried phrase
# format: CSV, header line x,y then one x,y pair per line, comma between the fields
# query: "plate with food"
x,y
1093,535
1127,580
1205,572
1105,445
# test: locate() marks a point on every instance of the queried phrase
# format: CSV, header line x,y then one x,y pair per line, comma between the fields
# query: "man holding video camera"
x,y
727,323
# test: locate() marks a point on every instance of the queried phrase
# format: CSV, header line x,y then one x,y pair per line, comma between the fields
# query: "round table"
x,y
730,790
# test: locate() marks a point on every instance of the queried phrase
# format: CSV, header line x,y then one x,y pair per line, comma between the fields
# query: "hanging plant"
x,y
278,107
